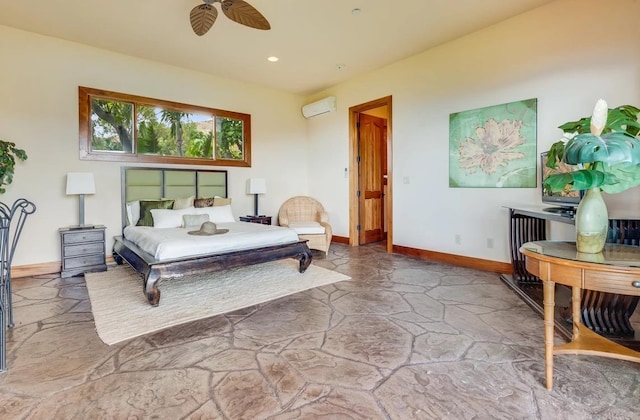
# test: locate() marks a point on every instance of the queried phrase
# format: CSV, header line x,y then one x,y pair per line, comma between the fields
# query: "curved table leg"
x,y
305,261
151,290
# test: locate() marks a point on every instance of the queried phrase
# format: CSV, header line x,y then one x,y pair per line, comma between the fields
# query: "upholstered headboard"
x,y
154,183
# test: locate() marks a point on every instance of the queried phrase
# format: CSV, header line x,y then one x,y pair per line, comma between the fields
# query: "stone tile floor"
x,y
404,339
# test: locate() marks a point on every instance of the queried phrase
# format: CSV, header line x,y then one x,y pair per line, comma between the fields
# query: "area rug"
x,y
121,311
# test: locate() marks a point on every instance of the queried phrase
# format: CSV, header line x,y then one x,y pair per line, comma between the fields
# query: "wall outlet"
x,y
458,239
489,242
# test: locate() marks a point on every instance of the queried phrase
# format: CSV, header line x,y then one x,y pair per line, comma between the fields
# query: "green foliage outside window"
x,y
133,128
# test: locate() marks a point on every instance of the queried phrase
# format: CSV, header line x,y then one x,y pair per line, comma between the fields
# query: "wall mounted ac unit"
x,y
319,107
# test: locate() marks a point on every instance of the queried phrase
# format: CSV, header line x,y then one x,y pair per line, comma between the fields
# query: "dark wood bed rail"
x,y
153,270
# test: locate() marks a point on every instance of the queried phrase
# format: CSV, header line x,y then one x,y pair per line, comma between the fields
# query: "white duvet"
x,y
175,243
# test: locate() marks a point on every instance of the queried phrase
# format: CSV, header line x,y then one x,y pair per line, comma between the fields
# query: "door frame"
x,y
354,178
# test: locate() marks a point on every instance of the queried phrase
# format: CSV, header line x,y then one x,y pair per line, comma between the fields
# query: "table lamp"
x,y
80,183
256,186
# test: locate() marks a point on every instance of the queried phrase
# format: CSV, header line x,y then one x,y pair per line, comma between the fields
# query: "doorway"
x,y
370,183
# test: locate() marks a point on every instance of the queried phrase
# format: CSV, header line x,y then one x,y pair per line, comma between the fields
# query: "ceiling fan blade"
x,y
202,18
242,12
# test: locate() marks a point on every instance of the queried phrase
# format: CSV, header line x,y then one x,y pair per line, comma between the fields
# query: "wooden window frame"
x,y
85,94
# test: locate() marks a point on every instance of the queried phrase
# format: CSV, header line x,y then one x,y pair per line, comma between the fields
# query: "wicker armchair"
x,y
308,218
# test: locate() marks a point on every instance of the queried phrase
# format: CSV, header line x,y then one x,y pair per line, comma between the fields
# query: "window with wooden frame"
x,y
121,127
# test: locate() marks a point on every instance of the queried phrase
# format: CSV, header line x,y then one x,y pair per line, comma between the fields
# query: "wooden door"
x,y
372,153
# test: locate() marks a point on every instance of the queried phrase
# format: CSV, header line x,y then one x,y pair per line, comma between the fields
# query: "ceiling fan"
x,y
204,16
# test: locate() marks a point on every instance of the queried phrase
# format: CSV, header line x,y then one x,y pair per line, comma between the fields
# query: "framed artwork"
x,y
494,147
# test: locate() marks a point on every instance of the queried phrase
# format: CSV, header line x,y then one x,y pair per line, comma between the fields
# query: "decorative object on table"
x,y
12,221
256,186
80,183
606,149
494,146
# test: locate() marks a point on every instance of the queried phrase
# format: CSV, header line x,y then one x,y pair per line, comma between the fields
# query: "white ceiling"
x,y
311,37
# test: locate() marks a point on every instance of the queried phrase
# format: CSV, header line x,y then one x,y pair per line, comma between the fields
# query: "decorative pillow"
x,y
203,202
133,212
217,214
166,218
146,219
194,220
183,203
221,201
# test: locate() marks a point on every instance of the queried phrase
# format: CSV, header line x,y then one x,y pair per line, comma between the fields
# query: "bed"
x,y
165,251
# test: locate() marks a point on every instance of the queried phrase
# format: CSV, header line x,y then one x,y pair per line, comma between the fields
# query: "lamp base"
x,y
255,205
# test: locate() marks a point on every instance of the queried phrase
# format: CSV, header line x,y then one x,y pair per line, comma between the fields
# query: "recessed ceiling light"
x,y
355,12
273,59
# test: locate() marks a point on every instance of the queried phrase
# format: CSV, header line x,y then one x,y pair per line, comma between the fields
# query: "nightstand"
x,y
264,220
82,250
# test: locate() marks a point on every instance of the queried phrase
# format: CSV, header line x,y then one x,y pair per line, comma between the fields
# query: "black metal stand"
x,y
8,240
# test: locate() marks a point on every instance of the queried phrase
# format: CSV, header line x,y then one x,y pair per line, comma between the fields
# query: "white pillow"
x,y
165,218
133,212
217,214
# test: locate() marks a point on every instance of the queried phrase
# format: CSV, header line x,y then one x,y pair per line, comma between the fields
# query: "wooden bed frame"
x,y
156,185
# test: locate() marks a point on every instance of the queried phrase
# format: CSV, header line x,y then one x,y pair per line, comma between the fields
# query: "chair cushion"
x,y
307,228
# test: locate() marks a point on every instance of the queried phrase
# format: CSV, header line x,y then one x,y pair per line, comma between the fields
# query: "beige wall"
x,y
567,54
39,79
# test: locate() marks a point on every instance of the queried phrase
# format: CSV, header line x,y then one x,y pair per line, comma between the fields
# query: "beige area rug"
x,y
121,311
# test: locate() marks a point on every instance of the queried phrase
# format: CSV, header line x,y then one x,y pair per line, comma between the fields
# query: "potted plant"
x,y
8,155
605,149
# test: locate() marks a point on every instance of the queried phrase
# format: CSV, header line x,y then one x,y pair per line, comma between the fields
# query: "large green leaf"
x,y
8,154
626,177
611,148
621,119
579,180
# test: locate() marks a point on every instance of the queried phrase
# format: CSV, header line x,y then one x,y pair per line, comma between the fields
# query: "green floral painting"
x,y
494,147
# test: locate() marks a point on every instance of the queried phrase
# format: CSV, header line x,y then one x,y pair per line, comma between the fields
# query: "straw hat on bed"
x,y
208,228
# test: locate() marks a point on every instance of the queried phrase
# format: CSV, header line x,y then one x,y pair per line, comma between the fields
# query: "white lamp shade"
x,y
256,186
80,183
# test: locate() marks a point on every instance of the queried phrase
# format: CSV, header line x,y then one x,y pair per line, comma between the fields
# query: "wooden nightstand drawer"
x,y
620,283
83,249
83,261
83,236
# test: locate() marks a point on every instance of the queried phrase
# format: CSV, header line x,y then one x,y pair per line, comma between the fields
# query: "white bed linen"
x,y
174,243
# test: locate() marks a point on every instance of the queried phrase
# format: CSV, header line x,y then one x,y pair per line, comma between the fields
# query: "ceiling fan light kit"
x,y
204,16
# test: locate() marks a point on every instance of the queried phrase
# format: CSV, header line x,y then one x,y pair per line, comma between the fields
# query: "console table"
x,y
615,270
604,313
